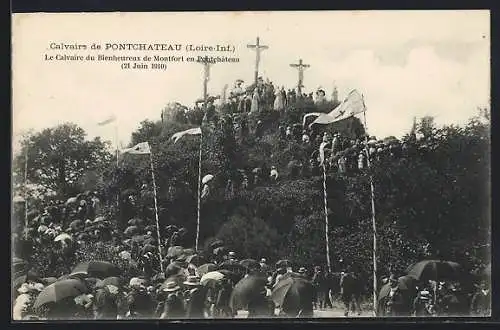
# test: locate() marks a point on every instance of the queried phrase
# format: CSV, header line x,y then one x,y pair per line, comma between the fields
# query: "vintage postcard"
x,y
219,165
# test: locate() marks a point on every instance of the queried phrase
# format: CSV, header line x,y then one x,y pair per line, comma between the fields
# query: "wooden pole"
x,y
374,222
26,190
199,195
327,240
156,211
258,48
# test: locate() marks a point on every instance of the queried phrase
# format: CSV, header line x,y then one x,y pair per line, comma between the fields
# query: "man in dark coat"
x,y
195,298
174,306
481,301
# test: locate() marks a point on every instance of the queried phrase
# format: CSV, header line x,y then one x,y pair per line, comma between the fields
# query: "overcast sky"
x,y
406,63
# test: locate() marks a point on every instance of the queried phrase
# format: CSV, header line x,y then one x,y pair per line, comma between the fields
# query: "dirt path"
x,y
335,312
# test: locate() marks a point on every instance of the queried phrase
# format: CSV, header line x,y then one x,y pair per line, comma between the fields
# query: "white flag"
x,y
139,149
309,115
191,131
111,119
352,105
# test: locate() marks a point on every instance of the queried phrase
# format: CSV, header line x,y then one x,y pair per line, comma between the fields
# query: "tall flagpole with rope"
x,y
26,188
352,105
327,240
143,148
374,222
156,212
206,76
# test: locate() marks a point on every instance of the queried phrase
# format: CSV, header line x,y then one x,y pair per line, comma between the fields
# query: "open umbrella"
x,y
113,280
19,265
63,237
195,259
135,222
284,263
293,294
234,277
435,270
215,244
220,250
131,230
148,248
250,264
210,277
151,228
175,251
206,268
49,280
76,224
99,219
247,289
405,283
99,269
59,291
28,277
172,269
188,252
71,200
178,279
207,178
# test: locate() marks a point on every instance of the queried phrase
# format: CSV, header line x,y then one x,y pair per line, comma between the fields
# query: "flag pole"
x,y
327,240
374,222
26,190
156,211
199,195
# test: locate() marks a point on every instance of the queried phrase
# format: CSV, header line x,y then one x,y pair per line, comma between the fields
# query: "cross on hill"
x,y
301,66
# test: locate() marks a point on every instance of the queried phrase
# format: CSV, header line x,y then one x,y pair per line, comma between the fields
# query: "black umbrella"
x,y
250,264
294,294
195,259
206,268
28,277
435,270
135,222
99,269
246,290
215,244
234,277
284,263
60,290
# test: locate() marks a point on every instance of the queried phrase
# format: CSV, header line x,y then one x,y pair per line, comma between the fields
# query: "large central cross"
x,y
301,66
206,77
258,48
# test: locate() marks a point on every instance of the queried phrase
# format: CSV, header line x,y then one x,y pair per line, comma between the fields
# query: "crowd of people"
x,y
151,272
145,279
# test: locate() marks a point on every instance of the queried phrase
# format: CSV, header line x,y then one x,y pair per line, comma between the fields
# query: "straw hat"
x,y
232,254
302,270
171,287
263,260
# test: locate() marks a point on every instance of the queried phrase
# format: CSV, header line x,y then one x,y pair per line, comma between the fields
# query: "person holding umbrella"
x,y
195,298
174,306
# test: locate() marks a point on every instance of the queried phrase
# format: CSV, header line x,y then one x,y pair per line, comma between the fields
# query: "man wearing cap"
x,y
195,298
174,307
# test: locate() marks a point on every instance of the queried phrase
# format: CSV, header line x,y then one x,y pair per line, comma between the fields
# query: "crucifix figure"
x,y
258,48
301,66
206,77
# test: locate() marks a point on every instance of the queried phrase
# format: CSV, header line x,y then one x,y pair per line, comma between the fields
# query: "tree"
x,y
58,157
